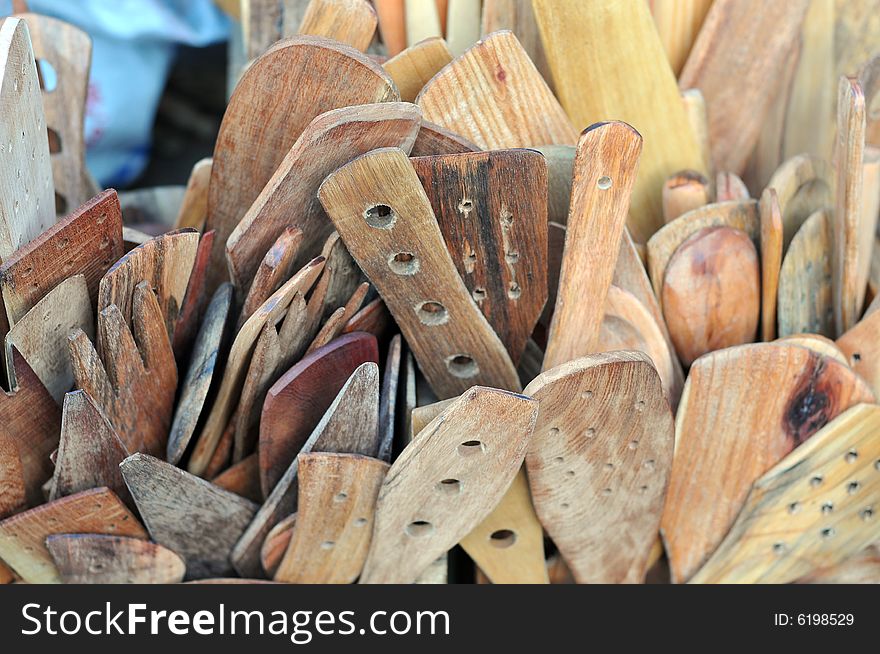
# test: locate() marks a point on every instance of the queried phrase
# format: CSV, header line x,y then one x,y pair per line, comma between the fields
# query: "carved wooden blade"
x,y
97,559
351,22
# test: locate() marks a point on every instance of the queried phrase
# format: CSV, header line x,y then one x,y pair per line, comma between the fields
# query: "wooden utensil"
x,y
599,461
868,220
242,478
295,403
425,508
186,514
339,282
422,20
275,545
771,260
518,17
41,335
98,559
351,22
711,294
388,398
381,211
89,451
819,343
463,25
329,141
812,510
414,67
195,300
194,207
605,171
491,211
87,242
736,60
750,431
560,169
134,379
254,138
199,374
803,186
13,494
95,511
27,192
578,38
391,24
678,24
861,347
337,499
729,187
433,139
682,192
494,96
350,425
274,269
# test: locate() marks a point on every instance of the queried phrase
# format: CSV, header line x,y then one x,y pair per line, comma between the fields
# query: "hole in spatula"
x,y
503,538
432,313
419,528
469,448
462,366
404,263
380,216
449,486
604,183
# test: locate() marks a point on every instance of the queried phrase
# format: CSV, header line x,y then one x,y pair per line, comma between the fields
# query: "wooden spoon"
x,y
352,22
98,559
415,66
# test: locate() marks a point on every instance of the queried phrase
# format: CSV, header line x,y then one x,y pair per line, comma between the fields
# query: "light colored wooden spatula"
x,y
771,260
329,141
599,462
275,268
334,523
578,38
95,511
433,139
861,346
811,511
415,66
275,545
422,20
803,186
388,398
194,207
352,22
254,138
678,24
195,300
381,211
446,481
391,24
494,96
99,559
518,17
492,212
682,192
729,433
604,173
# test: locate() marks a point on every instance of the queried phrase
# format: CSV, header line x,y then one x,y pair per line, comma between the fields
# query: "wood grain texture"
x,y
711,293
494,96
89,451
605,171
678,24
41,334
579,38
259,128
771,260
683,192
492,212
803,186
350,425
518,17
242,478
99,559
869,213
273,270
31,421
433,139
275,545
388,399
13,495
805,303
95,511
812,510
698,118
736,60
197,520
446,481
821,344
741,215
334,519
68,49
861,346
196,298
27,193
194,207
382,213
239,357
861,568
599,462
328,142
373,318
301,396
134,379
751,430
351,22
415,66
199,374
86,242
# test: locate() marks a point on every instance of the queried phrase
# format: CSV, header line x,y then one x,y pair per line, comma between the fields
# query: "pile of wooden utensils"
x,y
410,305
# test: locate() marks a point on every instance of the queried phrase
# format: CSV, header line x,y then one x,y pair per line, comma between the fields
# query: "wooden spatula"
x,y
352,22
194,206
275,545
811,511
87,242
494,96
750,432
95,511
327,142
388,398
27,207
391,24
254,138
382,213
771,260
862,348
730,188
803,186
518,17
491,209
446,481
196,299
275,268
334,523
605,171
579,38
433,139
415,66
242,478
678,24
13,495
599,462
682,192
422,20
100,559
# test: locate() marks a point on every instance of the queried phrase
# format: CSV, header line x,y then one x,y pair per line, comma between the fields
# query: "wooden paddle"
x,y
492,212
682,192
519,18
819,343
98,559
729,187
750,430
678,24
811,511
381,211
446,481
494,96
351,22
195,300
415,66
605,171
